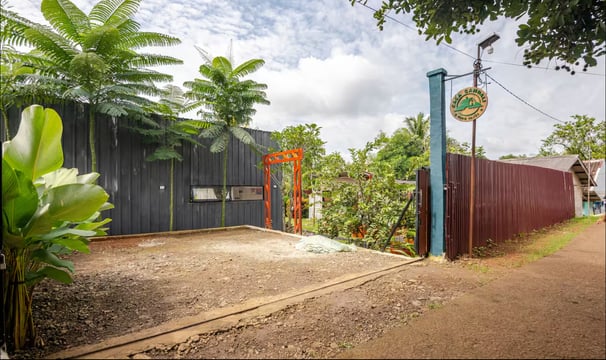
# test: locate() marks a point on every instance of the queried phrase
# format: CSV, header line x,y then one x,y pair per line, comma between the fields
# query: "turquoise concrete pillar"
x,y
437,160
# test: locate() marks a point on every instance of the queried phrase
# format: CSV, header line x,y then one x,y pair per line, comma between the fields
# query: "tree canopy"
x,y
583,136
92,58
306,137
408,148
227,102
567,31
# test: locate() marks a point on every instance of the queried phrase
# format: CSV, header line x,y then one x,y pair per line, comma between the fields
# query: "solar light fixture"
x,y
487,43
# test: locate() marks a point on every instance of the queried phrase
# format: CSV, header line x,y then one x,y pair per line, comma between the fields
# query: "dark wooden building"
x,y
140,190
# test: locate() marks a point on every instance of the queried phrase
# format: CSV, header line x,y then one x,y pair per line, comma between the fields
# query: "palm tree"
x,y
227,103
171,133
93,58
418,126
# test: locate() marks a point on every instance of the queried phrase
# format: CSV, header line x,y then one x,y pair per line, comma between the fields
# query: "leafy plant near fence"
x,y
368,203
47,211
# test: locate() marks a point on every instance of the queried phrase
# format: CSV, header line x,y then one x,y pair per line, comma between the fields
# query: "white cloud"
x,y
326,62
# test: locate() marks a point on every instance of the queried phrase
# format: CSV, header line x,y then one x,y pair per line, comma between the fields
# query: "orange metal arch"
x,y
295,155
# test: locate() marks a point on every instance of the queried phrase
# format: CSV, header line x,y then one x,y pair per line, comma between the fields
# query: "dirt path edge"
x,y
178,331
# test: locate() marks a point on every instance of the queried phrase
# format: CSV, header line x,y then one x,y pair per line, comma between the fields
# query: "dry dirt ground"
x,y
127,285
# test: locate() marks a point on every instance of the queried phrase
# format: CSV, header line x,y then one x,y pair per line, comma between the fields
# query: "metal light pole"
x,y
477,67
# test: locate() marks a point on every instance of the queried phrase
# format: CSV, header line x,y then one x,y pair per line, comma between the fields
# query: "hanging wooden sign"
x,y
469,104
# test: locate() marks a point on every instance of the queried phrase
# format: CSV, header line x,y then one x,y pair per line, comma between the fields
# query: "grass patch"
x,y
434,305
345,345
308,225
481,268
533,246
547,243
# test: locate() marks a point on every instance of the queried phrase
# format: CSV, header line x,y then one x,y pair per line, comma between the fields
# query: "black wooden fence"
x,y
140,189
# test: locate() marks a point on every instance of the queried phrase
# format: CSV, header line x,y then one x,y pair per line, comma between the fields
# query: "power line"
x,y
464,53
412,28
522,100
486,74
538,67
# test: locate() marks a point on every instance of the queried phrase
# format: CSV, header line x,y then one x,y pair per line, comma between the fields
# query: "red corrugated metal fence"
x,y
510,199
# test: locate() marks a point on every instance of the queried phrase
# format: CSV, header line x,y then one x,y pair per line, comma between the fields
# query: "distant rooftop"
x,y
570,163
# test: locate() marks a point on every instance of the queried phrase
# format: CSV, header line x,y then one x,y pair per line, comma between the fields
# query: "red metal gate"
x,y
296,156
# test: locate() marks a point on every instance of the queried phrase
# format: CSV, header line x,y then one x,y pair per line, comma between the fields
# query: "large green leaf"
x,y
55,234
18,210
10,182
50,272
45,256
248,67
60,177
94,226
73,202
89,178
222,63
114,11
36,149
78,244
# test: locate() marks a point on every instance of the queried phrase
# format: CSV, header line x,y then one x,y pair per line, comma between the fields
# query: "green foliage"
x,y
367,201
583,136
455,147
568,31
90,58
512,156
408,148
47,210
227,103
169,133
306,137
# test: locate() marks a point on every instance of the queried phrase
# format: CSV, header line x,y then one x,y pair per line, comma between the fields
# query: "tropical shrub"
x,y
47,211
367,204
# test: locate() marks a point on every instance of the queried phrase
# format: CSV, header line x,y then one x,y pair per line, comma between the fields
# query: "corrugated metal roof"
x,y
570,163
597,167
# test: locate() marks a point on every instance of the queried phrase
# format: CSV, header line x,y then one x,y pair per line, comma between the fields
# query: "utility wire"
x,y
538,67
522,100
412,28
464,53
486,74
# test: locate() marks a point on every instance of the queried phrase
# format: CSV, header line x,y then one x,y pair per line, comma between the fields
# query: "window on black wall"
x,y
234,193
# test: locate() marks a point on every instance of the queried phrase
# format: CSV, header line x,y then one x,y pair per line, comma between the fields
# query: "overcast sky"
x,y
327,63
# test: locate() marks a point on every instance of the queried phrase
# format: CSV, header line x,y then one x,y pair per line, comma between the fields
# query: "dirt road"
x,y
551,308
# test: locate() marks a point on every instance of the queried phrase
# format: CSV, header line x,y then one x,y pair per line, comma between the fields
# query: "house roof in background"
x,y
594,166
598,171
570,163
